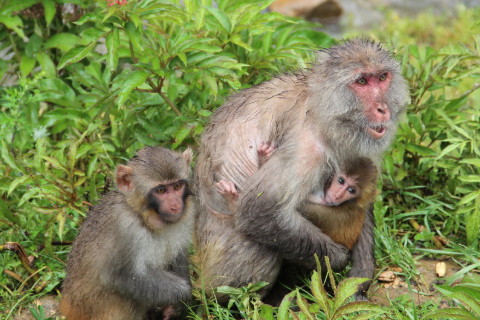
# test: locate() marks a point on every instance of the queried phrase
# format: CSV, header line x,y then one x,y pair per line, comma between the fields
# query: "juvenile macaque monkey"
x,y
130,256
346,106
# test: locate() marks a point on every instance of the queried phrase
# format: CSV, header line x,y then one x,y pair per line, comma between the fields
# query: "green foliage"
x,y
466,294
86,85
433,172
246,299
330,308
314,303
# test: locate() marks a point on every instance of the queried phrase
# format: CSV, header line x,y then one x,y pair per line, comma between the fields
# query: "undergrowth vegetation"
x,y
84,85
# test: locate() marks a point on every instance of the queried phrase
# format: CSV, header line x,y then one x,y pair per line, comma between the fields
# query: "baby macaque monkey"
x,y
130,256
340,211
228,188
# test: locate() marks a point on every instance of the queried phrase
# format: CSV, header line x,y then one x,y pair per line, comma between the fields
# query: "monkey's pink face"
x,y
342,189
169,199
371,89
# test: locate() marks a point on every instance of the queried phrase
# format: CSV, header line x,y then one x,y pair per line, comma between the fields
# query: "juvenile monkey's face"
x,y
167,201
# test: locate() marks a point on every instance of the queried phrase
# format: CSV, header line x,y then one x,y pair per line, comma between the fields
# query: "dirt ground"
x,y
380,292
423,289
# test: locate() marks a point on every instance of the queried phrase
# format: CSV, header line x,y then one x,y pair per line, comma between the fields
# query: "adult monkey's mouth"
x,y
377,131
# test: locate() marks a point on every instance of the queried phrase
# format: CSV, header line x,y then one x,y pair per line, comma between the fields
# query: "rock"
x,y
441,269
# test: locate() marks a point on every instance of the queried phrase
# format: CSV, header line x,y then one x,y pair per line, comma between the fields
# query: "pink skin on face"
x,y
171,198
372,89
343,188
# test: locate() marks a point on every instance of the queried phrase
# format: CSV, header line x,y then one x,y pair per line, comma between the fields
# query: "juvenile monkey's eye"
x,y
352,190
383,77
341,180
362,81
160,190
178,185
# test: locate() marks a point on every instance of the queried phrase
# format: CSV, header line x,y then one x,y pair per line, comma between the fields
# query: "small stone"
x,y
441,269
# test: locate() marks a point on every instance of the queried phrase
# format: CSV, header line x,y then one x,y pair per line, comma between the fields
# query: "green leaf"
x,y
180,136
475,162
319,293
470,178
135,79
47,64
346,289
448,149
13,6
282,313
205,113
455,49
221,18
55,163
7,157
49,6
452,313
26,65
62,41
238,41
469,198
134,36
420,150
75,55
92,35
358,306
229,290
14,23
303,305
112,43
16,182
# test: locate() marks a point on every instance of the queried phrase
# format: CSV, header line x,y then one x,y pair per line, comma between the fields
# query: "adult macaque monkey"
x,y
346,106
130,255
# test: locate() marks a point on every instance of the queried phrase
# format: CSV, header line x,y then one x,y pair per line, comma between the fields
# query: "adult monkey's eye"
x,y
383,77
362,81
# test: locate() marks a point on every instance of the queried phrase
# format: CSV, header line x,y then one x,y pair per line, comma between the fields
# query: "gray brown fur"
x,y
118,267
315,121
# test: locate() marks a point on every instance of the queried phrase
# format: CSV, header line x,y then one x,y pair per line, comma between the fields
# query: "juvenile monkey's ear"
x,y
124,178
187,155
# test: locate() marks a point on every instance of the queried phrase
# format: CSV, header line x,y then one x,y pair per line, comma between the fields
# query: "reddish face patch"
x,y
170,197
342,189
371,89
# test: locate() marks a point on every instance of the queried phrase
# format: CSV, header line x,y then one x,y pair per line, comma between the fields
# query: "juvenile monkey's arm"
x,y
153,286
267,214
